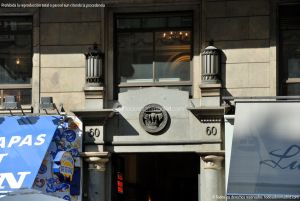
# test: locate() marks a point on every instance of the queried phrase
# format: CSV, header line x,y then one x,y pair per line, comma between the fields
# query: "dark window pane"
x,y
130,23
172,56
135,57
175,22
23,96
185,21
154,22
293,89
291,60
289,24
13,24
290,36
15,50
289,16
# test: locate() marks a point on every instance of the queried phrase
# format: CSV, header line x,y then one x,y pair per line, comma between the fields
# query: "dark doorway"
x,y
155,177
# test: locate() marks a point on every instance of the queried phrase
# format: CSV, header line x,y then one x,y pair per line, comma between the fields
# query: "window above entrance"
x,y
154,50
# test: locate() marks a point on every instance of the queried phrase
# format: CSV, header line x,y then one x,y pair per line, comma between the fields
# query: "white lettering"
x,y
27,140
2,142
11,180
40,139
14,140
2,156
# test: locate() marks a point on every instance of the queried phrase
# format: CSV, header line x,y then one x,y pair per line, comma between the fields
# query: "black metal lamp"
x,y
211,62
94,66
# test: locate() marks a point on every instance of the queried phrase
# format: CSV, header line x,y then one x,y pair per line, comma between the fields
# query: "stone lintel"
x,y
97,160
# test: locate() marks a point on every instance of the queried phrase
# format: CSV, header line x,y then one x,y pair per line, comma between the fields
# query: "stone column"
x,y
213,186
96,175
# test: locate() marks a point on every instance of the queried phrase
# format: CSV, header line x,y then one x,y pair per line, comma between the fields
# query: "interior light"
x,y
176,35
18,61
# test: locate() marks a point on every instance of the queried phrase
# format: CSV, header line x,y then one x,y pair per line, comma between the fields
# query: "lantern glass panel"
x,y
94,67
211,65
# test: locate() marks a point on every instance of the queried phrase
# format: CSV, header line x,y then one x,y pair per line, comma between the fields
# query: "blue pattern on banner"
x,y
67,138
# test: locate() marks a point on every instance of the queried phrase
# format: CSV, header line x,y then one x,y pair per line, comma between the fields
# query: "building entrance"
x,y
155,177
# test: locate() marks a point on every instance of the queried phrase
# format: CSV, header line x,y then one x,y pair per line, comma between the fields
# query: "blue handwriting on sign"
x,y
284,159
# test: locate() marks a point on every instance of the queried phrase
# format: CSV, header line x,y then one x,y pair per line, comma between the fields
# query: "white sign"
x,y
265,155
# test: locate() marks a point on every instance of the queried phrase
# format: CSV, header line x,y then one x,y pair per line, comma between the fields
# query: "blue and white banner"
x,y
60,171
24,141
265,154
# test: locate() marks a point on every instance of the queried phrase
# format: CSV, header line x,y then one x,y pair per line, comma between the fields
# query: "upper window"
x,y
290,49
154,50
16,58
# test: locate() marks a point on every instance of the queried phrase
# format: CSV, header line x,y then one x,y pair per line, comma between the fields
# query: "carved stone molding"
x,y
210,90
91,115
97,160
213,162
94,92
209,114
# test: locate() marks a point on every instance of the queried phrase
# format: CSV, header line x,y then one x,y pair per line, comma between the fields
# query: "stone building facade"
x,y
114,111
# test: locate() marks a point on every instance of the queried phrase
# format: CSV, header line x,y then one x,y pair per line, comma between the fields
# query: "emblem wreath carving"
x,y
154,118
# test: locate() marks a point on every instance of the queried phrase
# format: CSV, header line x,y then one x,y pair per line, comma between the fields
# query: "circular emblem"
x,y
153,118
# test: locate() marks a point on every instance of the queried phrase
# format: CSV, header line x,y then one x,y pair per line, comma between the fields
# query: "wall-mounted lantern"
x,y
94,63
211,62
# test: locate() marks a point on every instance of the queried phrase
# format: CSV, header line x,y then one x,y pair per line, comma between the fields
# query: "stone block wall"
x,y
65,35
241,29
